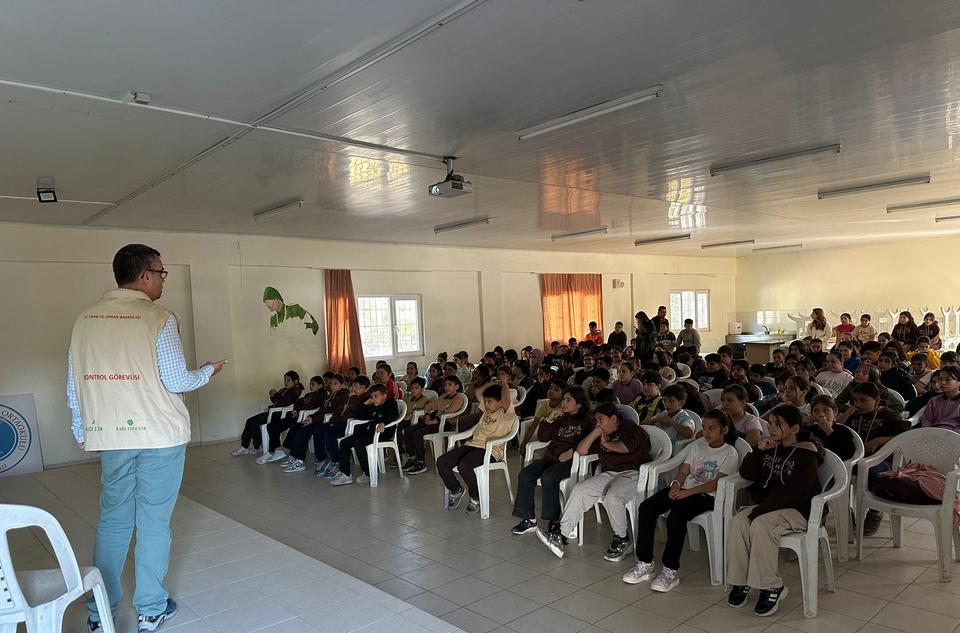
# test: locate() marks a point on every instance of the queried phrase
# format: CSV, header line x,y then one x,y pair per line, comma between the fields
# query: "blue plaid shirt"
x,y
174,375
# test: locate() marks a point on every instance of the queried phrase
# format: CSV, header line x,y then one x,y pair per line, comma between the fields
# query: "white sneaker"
x,y
237,452
341,480
666,580
639,573
294,466
287,462
363,479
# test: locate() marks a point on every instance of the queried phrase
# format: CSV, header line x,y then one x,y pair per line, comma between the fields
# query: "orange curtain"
x,y
344,349
569,303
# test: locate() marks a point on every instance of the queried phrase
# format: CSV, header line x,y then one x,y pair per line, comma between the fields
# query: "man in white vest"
x,y
126,373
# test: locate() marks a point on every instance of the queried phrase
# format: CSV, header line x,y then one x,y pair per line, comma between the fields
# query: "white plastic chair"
x,y
661,450
896,398
935,447
689,381
629,413
770,380
749,408
840,507
430,394
713,395
50,591
916,417
438,440
713,522
375,450
683,371
264,436
526,422
488,466
814,541
697,427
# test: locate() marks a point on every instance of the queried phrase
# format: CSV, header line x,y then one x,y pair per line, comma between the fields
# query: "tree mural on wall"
x,y
280,311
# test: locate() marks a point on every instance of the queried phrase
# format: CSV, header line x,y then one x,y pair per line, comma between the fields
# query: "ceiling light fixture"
x,y
277,209
719,168
660,240
61,200
599,230
460,224
919,179
916,206
722,244
776,248
946,218
46,195
591,112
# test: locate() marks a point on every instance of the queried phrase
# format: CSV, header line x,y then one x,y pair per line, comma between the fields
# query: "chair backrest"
x,y
690,381
752,409
743,448
820,389
683,370
858,451
306,414
402,408
661,447
430,394
713,395
14,517
896,398
576,369
521,395
629,413
697,421
916,417
834,478
935,447
771,380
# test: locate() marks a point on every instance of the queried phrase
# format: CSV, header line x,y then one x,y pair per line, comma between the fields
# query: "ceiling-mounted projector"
x,y
453,185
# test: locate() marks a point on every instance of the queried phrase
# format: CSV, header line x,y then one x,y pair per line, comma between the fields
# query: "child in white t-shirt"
x,y
691,493
834,377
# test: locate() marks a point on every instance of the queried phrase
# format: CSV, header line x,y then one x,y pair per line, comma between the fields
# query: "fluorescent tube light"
x,y
277,209
916,206
660,240
947,218
719,168
599,230
34,199
776,248
590,112
722,244
920,179
460,224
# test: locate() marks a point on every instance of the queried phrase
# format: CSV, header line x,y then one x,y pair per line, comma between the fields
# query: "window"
x,y
690,304
390,326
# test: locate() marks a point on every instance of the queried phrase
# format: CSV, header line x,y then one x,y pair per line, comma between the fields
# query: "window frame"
x,y
676,327
393,298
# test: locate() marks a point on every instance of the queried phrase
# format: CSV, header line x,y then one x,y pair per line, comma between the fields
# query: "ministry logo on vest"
x,y
15,437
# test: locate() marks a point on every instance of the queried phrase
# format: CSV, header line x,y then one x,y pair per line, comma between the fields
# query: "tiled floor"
x,y
469,573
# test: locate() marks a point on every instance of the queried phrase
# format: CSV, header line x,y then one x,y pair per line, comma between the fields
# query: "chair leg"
x,y
264,438
631,507
861,511
436,441
956,543
396,451
373,459
506,474
103,606
896,528
483,487
693,537
943,530
716,556
596,509
828,564
841,512
808,580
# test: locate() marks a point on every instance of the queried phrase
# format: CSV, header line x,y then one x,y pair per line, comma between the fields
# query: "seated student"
x,y
914,405
864,332
846,325
618,337
282,397
622,447
943,411
337,426
715,374
899,357
868,372
675,421
834,377
696,402
893,377
665,338
805,369
627,387
505,372
594,334
464,368
547,410
776,365
784,474
521,375
442,358
379,410
510,357
691,493
816,354
923,347
848,352
740,375
883,338
725,352
769,403
796,392
565,373
435,377
733,401
451,399
599,380
758,373
581,375
474,392
312,399
876,425
603,396
822,423
688,340
545,375
905,331
412,373
796,350
298,437
384,376
648,404
563,432
416,400
920,373
605,362
497,421
931,330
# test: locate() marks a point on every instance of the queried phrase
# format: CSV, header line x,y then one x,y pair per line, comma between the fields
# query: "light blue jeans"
x,y
139,488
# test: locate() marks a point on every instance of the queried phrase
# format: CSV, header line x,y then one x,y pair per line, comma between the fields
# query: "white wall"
x,y
473,299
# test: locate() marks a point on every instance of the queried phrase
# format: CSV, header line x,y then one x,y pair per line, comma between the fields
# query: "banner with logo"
x,y
19,435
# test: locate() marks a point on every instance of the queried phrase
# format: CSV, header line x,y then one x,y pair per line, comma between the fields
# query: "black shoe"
x,y
872,523
524,527
153,622
453,501
407,465
554,541
769,600
417,469
619,548
738,596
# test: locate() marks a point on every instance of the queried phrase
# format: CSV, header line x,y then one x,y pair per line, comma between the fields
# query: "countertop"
x,y
760,339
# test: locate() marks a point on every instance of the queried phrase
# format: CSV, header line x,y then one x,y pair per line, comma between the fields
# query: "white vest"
x,y
123,402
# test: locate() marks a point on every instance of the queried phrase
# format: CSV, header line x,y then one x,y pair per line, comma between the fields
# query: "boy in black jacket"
x,y
378,411
783,470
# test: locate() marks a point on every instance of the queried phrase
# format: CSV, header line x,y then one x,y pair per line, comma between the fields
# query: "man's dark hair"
x,y
131,261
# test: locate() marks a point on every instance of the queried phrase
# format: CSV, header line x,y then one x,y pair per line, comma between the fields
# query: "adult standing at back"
x,y
126,373
646,342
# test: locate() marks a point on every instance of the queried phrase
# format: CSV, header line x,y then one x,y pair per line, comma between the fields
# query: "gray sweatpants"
x,y
615,488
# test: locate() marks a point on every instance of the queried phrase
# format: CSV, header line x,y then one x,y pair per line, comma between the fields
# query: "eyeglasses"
x,y
163,273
